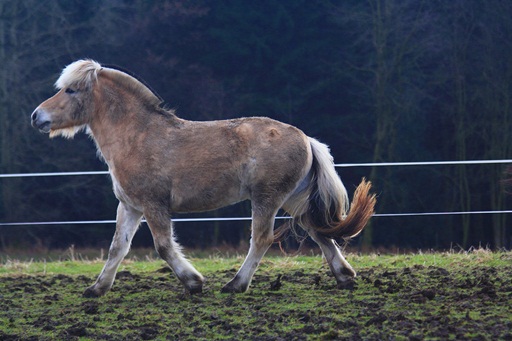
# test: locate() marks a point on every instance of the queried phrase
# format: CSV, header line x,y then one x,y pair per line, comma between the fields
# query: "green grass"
x,y
451,295
215,263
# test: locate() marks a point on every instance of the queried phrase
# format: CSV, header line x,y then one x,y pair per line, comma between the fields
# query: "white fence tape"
x,y
212,219
341,165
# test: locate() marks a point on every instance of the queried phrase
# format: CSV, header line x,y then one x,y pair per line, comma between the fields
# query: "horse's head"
x,y
87,89
69,110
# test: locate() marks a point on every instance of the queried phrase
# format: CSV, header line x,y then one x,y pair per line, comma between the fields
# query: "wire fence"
x,y
213,219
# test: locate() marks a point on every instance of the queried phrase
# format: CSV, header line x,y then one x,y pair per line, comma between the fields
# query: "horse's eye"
x,y
70,91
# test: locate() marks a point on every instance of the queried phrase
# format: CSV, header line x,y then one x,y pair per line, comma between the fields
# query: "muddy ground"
x,y
409,303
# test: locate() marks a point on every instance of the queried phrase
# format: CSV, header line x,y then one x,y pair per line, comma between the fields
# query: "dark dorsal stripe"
x,y
130,73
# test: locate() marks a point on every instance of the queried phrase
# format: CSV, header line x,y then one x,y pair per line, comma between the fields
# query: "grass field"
x,y
453,295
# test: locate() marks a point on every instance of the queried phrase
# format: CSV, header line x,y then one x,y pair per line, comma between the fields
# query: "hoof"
x,y
347,285
231,288
92,292
193,284
195,291
225,290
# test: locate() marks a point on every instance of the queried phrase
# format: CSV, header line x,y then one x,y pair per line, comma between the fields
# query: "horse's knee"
x,y
264,241
119,247
115,252
263,238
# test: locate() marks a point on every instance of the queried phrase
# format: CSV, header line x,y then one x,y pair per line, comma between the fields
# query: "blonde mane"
x,y
135,85
82,74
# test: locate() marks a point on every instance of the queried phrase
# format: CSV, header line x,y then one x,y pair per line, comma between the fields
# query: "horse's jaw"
x,y
67,133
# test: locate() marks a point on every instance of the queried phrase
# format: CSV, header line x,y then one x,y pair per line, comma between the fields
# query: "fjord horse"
x,y
161,164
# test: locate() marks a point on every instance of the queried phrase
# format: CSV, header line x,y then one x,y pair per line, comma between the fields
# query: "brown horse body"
x,y
161,164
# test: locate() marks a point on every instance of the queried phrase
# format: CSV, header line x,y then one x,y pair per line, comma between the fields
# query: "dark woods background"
x,y
377,80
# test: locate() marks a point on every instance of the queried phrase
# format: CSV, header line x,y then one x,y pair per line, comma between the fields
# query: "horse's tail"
x,y
326,205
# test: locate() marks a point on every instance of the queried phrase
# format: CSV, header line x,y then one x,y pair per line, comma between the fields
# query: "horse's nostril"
x,y
34,115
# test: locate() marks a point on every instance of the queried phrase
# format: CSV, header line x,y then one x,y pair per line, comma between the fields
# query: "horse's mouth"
x,y
43,127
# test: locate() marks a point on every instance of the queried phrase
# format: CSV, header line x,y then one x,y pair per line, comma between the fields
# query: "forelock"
x,y
82,74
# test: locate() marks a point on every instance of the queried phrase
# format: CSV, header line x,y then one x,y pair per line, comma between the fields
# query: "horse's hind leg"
x,y
128,221
170,251
262,237
340,268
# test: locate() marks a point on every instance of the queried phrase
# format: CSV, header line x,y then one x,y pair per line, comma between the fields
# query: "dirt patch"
x,y
414,303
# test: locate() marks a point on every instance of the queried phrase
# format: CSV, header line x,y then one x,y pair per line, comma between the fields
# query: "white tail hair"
x,y
331,190
323,204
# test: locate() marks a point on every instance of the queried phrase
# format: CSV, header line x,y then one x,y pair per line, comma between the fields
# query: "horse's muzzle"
x,y
40,122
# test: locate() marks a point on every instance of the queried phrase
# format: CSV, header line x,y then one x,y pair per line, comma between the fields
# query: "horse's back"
x,y
259,138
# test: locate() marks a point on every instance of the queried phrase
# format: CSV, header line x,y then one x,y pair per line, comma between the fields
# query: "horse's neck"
x,y
115,135
111,137
102,146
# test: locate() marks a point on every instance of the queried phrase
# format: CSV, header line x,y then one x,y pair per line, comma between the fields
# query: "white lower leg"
x,y
188,275
128,221
262,239
340,268
170,251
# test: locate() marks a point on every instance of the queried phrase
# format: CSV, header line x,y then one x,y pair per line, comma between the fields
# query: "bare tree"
x,y
391,41
37,38
495,110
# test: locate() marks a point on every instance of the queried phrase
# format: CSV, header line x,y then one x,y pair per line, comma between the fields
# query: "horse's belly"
x,y
196,198
202,204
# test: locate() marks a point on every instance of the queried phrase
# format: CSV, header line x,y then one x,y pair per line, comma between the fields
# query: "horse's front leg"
x,y
167,247
128,220
262,237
